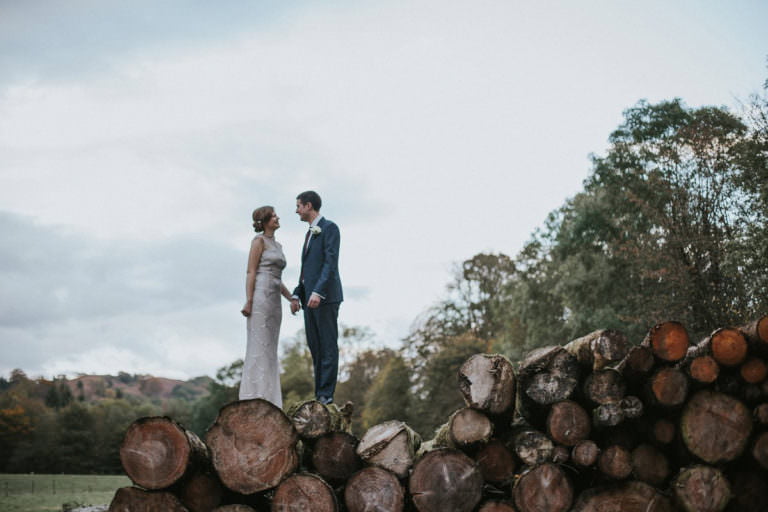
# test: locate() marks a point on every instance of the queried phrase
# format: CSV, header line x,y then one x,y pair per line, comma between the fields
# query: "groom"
x,y
319,293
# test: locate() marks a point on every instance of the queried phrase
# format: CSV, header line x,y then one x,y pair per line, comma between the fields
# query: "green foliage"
x,y
388,397
358,375
436,393
296,379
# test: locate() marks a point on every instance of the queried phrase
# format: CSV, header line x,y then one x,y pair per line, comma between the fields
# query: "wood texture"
x,y
445,480
253,445
157,452
374,489
487,383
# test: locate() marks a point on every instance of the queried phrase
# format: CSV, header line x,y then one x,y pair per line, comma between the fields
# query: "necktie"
x,y
306,245
306,241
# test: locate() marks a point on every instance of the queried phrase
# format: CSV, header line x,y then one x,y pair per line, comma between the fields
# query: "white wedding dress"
x,y
261,370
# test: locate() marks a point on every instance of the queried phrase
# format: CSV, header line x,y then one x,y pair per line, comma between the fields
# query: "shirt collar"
x,y
316,221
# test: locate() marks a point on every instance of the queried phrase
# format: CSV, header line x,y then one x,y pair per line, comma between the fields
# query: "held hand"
x,y
246,311
314,301
295,306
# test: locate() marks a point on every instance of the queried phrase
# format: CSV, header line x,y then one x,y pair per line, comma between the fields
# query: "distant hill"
x,y
98,387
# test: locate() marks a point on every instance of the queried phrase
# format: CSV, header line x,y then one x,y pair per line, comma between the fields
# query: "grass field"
x,y
47,493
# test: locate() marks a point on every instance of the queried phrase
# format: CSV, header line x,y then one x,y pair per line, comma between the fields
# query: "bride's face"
x,y
274,222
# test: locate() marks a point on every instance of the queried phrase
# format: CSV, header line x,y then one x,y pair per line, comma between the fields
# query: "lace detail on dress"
x,y
261,370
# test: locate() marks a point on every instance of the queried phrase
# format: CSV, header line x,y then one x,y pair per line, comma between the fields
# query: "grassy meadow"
x,y
47,493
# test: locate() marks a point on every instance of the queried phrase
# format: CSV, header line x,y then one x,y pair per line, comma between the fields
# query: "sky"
x,y
136,138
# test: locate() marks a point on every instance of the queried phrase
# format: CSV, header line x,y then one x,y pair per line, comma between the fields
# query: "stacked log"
x,y
595,424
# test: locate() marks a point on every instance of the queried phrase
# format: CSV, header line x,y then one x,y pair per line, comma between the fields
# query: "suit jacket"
x,y
320,265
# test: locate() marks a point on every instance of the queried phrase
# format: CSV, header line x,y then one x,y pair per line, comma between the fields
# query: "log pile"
x,y
597,424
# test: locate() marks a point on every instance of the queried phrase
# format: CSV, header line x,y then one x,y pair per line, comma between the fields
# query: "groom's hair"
x,y
310,196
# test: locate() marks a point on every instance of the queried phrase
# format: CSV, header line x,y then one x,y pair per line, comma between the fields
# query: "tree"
x,y
389,395
659,233
359,375
435,381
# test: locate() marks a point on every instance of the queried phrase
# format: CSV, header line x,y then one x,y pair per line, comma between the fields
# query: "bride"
x,y
263,287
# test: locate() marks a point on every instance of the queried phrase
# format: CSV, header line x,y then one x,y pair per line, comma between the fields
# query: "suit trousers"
x,y
322,330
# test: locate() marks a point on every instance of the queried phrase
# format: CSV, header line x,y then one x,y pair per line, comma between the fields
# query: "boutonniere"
x,y
315,230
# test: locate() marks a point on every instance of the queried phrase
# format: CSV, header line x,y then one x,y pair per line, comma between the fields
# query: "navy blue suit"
x,y
320,274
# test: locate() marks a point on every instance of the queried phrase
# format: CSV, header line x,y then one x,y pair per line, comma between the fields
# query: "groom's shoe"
x,y
325,400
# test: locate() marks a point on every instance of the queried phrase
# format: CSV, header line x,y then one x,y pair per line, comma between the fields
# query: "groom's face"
x,y
303,210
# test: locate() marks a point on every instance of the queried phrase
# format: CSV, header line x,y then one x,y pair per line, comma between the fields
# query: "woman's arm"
x,y
284,292
257,247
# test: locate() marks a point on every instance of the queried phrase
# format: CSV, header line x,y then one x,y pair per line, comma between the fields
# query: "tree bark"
x,y
253,445
715,427
546,376
466,428
445,480
487,383
334,456
533,447
604,386
496,463
701,489
668,340
599,348
391,445
133,499
568,423
756,333
607,415
157,452
304,491
374,489
544,487
629,497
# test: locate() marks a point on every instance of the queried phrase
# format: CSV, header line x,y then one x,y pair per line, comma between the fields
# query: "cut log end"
x,y
156,452
704,369
702,489
669,341
568,423
445,479
304,492
487,382
729,346
543,487
669,387
253,445
715,427
376,489
754,370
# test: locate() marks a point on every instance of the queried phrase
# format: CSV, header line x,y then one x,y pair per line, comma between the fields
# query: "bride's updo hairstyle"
x,y
261,216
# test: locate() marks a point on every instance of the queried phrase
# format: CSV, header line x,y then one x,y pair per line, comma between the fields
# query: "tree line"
x,y
671,224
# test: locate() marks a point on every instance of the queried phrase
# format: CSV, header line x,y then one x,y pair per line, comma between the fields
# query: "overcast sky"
x,y
137,137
